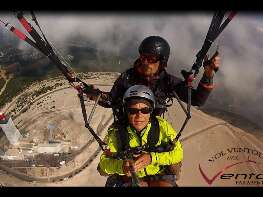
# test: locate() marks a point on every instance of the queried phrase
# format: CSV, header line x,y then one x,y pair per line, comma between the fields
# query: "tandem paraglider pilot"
x,y
142,147
150,70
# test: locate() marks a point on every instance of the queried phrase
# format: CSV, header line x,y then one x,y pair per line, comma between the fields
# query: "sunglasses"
x,y
145,110
150,59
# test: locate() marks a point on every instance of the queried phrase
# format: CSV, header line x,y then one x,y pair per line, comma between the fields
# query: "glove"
x,y
91,92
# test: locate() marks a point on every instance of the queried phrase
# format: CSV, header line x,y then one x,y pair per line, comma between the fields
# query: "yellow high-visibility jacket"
x,y
111,166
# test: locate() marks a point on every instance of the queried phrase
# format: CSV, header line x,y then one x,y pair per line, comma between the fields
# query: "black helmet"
x,y
156,45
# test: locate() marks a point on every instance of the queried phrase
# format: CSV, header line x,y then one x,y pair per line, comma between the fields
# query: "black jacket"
x,y
163,87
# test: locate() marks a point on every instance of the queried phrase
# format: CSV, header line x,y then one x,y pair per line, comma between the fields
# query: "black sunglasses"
x,y
145,110
150,58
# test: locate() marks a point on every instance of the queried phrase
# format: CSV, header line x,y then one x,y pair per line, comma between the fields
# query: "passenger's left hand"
x,y
142,161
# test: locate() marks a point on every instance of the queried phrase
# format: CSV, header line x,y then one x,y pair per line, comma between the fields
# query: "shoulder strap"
x,y
122,136
153,139
161,92
129,78
154,133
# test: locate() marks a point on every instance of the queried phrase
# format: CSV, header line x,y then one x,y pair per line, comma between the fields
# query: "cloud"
x,y
260,28
239,81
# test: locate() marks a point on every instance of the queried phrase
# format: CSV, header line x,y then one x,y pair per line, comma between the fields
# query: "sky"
x,y
239,80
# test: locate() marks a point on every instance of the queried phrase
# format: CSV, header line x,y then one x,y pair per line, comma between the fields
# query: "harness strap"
x,y
154,133
122,136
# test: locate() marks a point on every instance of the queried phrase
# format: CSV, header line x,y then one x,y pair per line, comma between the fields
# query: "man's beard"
x,y
140,69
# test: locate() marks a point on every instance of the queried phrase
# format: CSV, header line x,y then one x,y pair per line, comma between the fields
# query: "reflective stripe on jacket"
x,y
110,165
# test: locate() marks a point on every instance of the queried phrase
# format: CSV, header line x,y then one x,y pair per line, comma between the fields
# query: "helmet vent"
x,y
147,93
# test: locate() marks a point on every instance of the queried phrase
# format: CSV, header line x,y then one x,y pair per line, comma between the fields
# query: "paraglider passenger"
x,y
143,131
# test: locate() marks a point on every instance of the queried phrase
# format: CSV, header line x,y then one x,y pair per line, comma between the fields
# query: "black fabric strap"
x,y
154,133
122,136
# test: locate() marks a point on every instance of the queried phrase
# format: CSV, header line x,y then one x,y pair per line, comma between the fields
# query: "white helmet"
x,y
139,91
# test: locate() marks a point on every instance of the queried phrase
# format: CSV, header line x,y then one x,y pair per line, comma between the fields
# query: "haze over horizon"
x,y
239,80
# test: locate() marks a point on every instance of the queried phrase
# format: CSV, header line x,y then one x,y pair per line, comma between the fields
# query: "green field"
x,y
20,82
14,87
